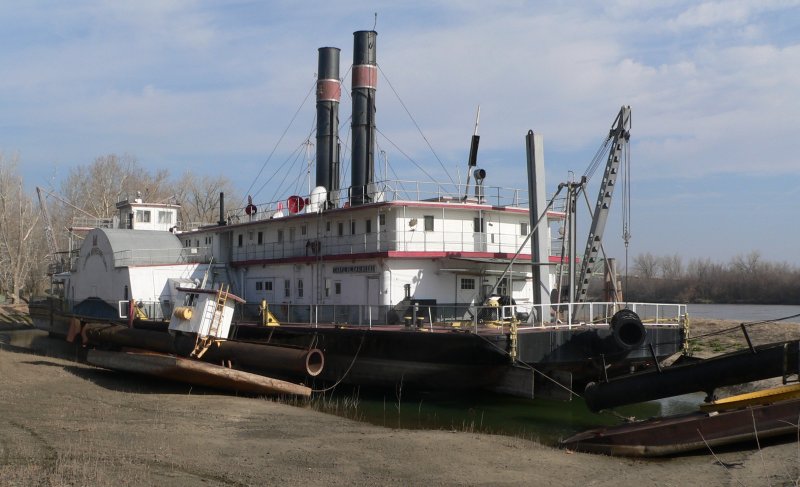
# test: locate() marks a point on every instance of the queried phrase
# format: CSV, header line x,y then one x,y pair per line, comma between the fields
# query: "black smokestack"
x,y
221,209
365,80
329,91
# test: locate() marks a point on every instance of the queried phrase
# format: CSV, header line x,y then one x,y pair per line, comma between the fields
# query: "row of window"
x,y
479,226
144,216
266,286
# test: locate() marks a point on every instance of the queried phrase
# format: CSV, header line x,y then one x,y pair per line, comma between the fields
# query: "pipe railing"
x,y
383,241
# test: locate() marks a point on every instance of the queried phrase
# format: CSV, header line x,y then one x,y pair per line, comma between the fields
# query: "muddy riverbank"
x,y
64,423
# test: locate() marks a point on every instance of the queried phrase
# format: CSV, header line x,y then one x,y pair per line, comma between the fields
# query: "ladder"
x,y
204,342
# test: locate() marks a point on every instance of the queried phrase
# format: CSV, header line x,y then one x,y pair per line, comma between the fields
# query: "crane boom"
x,y
620,136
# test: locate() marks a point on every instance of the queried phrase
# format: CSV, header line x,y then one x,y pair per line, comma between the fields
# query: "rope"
x,y
311,90
363,336
748,324
531,367
407,156
418,129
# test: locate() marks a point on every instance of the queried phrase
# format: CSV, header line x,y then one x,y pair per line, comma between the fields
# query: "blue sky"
x,y
211,86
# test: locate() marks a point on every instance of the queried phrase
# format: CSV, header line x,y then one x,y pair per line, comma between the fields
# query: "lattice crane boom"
x,y
620,137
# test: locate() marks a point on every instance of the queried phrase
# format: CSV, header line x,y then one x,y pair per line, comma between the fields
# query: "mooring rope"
x,y
531,367
363,336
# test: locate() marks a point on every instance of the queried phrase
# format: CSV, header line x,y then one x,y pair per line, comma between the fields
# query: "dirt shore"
x,y
64,423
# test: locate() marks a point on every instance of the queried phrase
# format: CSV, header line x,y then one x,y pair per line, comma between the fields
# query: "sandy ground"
x,y
63,423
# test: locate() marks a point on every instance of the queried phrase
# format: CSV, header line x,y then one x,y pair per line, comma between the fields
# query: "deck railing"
x,y
400,190
383,241
465,316
454,316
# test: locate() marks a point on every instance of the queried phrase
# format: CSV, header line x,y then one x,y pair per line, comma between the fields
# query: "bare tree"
x,y
20,247
646,265
199,197
671,266
98,187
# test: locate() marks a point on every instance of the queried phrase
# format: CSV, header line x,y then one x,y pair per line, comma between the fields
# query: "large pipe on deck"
x,y
282,359
329,92
763,362
364,83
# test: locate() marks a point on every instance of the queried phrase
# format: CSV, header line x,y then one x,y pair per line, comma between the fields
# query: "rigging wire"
x,y
263,166
418,129
407,156
292,155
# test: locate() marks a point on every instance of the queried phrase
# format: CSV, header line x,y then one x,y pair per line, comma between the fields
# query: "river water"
x,y
543,420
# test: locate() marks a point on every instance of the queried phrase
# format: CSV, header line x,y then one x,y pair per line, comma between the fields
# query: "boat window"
x,y
467,283
259,286
368,226
327,226
299,288
165,217
337,287
260,238
267,285
303,230
280,236
327,287
428,223
143,216
502,287
478,225
287,288
523,229
341,229
382,219
352,227
241,239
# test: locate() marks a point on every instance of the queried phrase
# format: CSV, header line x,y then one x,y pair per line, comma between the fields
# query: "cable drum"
x,y
627,330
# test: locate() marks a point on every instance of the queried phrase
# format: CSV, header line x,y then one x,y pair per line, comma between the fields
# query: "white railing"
x,y
464,316
398,190
185,255
382,241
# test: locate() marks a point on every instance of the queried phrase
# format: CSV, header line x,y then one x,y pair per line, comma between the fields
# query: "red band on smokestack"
x,y
365,76
329,90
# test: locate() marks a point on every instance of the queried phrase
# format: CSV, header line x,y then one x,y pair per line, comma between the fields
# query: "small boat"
x,y
764,396
194,372
689,432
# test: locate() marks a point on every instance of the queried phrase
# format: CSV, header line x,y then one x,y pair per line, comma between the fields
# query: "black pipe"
x,y
221,209
364,82
254,356
329,92
773,360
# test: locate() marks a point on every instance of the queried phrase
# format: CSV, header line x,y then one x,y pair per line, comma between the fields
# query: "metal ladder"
x,y
204,342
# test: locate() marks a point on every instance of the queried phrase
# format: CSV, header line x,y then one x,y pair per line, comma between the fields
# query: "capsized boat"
x,y
700,430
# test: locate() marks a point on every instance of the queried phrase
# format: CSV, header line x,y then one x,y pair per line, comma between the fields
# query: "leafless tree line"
x,y
88,192
746,278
